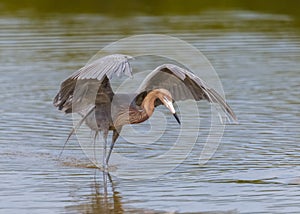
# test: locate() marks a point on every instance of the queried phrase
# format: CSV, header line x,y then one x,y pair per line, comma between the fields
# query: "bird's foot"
x,y
105,167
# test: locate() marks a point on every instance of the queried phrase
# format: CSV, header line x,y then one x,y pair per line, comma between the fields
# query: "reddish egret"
x,y
89,93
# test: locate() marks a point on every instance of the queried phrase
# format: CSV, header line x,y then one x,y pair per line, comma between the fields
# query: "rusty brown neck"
x,y
147,105
134,115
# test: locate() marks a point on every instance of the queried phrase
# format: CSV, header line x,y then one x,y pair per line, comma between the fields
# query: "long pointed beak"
x,y
177,118
170,106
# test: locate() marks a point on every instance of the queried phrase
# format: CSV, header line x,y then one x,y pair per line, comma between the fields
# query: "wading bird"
x,y
89,93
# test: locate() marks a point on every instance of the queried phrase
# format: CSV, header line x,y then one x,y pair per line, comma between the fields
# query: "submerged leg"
x,y
105,184
114,139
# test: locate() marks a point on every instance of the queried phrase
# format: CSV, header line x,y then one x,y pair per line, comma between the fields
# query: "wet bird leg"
x,y
114,138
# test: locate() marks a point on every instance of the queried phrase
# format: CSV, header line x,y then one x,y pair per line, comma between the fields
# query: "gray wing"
x,y
89,81
183,85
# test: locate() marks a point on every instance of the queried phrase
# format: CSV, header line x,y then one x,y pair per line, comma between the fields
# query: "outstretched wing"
x,y
183,85
91,77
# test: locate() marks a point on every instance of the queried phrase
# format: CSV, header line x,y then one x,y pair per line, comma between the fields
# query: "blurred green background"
x,y
149,7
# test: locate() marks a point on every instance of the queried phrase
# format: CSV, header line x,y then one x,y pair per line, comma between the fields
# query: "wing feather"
x,y
93,76
183,85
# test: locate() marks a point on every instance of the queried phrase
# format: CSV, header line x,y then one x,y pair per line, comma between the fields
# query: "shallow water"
x,y
254,170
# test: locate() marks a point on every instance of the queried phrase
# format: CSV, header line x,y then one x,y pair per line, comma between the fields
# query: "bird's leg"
x,y
104,162
94,144
114,138
74,129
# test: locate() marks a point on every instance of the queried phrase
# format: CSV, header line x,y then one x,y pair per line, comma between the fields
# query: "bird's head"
x,y
166,98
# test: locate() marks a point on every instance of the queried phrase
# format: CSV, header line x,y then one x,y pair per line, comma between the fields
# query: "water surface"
x,y
255,169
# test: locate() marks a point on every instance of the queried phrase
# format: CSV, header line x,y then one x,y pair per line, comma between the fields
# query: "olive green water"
x,y
255,49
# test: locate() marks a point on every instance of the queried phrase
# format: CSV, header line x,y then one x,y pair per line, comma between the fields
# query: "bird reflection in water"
x,y
109,200
103,199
